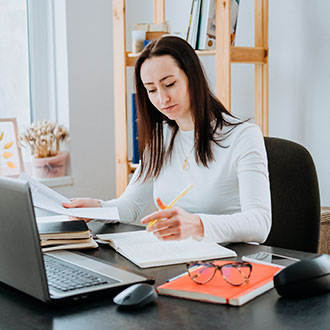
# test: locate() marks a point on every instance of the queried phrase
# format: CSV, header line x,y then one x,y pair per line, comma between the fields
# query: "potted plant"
x,y
44,139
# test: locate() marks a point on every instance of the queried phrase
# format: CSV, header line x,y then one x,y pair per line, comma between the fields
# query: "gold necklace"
x,y
185,165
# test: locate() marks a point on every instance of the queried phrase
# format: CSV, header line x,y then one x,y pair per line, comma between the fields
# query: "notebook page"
x,y
165,253
137,237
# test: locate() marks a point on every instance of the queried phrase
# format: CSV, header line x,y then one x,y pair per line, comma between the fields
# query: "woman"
x,y
186,136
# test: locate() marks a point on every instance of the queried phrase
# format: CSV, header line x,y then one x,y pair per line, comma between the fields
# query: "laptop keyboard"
x,y
66,277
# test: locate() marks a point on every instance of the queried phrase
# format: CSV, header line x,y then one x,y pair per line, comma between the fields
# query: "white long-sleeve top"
x,y
231,195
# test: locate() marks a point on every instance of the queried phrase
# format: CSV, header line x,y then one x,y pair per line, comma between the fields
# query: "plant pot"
x,y
50,167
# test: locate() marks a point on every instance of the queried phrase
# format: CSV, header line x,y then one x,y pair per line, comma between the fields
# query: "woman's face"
x,y
168,89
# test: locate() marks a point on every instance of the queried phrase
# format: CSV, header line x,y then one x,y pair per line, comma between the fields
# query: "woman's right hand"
x,y
82,202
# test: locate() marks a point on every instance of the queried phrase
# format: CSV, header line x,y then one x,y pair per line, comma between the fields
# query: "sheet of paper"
x,y
100,213
42,195
48,199
52,218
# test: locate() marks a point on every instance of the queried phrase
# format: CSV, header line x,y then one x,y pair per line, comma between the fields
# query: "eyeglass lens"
x,y
236,274
201,273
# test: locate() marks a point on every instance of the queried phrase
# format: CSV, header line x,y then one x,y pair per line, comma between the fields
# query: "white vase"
x,y
50,167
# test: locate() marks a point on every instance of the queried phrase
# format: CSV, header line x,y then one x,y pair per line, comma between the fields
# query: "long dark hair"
x,y
205,108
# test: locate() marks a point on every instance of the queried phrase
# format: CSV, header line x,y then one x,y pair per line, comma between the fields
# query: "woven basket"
x,y
324,245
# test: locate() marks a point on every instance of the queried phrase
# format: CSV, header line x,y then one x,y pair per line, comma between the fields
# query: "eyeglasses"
x,y
234,273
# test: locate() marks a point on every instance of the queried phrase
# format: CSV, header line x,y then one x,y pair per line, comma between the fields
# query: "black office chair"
x,y
295,196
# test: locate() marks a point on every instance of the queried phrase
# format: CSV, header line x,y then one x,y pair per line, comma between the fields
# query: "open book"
x,y
218,290
146,250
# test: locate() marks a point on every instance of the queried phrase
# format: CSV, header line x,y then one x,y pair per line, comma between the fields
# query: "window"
x,y
33,61
14,64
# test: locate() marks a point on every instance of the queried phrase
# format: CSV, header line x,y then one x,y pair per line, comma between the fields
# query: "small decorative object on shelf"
x,y
138,38
44,138
142,33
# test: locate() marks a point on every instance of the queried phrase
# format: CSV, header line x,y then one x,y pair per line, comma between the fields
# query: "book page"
x,y
164,253
145,250
129,238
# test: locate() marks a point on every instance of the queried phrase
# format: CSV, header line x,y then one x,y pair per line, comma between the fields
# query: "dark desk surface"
x,y
269,311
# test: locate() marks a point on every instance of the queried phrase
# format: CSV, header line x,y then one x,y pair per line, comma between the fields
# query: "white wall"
x,y
299,81
90,71
299,77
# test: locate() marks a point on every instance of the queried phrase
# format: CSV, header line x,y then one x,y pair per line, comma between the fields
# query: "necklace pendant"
x,y
185,165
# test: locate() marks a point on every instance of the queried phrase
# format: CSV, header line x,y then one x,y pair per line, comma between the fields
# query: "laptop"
x,y
54,276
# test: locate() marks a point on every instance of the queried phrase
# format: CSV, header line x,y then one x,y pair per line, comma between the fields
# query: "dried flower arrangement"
x,y
43,137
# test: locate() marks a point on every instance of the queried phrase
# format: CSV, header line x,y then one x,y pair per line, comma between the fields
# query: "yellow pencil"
x,y
184,192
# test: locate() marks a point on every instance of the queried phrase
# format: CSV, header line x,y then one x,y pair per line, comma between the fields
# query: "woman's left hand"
x,y
174,223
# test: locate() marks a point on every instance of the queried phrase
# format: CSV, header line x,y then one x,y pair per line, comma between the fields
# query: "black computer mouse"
x,y
137,295
304,278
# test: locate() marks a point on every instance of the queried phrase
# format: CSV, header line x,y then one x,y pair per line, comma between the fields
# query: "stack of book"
x,y
62,235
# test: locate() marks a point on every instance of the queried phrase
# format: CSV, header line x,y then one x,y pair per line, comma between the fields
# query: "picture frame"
x,y
11,163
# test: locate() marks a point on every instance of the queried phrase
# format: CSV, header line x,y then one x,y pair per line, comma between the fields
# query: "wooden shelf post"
x,y
223,51
120,99
226,54
261,70
159,11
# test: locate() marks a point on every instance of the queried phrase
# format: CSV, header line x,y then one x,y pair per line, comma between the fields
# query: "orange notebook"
x,y
218,290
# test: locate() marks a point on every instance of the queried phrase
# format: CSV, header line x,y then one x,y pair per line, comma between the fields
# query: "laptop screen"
x,y
21,262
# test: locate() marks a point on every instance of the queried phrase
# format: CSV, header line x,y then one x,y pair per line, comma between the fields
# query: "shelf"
x,y
251,55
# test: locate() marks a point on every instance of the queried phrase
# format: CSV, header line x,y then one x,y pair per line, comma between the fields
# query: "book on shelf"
x,y
207,24
234,5
152,27
192,32
135,145
219,291
58,235
189,22
146,250
206,38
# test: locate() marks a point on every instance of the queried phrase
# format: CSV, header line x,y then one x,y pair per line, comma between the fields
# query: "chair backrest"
x,y
295,196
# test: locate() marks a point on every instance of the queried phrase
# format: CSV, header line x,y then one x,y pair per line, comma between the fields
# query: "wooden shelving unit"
x,y
225,55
